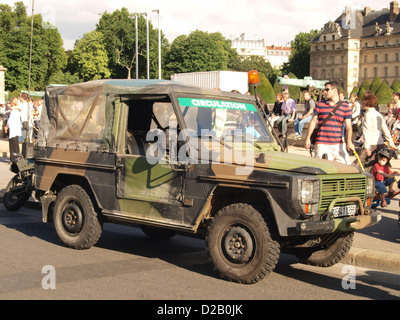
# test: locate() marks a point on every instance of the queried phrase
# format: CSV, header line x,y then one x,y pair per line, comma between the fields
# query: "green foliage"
x,y
48,56
256,63
395,85
118,29
365,85
361,93
299,60
376,83
90,57
384,93
355,90
200,51
64,78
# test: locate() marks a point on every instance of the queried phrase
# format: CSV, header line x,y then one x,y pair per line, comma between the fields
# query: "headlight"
x,y
309,191
370,186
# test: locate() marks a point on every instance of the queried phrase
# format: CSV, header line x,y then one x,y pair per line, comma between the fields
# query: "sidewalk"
x,y
376,247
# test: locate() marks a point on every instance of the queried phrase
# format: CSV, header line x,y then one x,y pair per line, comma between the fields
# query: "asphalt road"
x,y
125,264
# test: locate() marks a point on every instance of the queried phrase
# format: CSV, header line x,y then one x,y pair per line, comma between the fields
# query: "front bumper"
x,y
339,224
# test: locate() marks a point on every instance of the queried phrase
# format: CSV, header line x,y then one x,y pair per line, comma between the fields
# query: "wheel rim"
x,y
238,245
72,218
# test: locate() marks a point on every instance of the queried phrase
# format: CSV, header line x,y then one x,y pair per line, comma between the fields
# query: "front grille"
x,y
341,188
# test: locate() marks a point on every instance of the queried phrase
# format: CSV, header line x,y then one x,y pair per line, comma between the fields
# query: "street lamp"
x,y
147,33
136,47
27,137
159,44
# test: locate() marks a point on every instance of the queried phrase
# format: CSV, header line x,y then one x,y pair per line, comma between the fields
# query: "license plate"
x,y
344,211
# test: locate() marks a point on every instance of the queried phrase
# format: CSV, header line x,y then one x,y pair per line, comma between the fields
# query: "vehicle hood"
x,y
301,164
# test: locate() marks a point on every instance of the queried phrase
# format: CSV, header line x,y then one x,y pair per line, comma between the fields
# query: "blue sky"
x,y
275,21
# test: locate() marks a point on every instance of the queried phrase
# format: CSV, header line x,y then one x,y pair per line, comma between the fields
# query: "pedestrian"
x,y
329,142
389,114
396,110
3,120
277,110
374,132
24,109
306,117
342,96
288,114
355,107
384,177
35,119
396,101
396,119
13,128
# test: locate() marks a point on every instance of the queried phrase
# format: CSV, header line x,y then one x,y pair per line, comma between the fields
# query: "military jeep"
x,y
175,158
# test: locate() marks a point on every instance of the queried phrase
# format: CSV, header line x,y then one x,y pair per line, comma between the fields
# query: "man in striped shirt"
x,y
329,143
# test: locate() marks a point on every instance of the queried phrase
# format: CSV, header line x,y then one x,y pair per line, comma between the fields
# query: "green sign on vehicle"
x,y
218,104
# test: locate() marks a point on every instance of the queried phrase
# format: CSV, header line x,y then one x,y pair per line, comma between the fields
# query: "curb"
x,y
379,260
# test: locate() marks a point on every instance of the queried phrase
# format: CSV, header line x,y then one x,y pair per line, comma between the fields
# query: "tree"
x,y
376,83
365,85
89,57
200,51
355,90
384,93
48,56
64,77
395,85
299,60
118,29
361,93
256,63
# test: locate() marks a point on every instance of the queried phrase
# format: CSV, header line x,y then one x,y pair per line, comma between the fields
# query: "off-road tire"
x,y
14,203
76,222
241,226
327,256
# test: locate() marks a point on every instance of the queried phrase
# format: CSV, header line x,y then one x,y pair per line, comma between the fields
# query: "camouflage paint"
x,y
128,189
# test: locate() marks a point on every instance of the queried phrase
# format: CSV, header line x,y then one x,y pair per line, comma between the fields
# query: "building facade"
x,y
276,55
359,45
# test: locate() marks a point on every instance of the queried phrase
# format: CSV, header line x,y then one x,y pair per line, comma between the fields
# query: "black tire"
x,y
327,256
14,201
158,233
76,222
239,244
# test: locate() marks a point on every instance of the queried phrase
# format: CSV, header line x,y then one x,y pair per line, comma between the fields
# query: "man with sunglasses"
x,y
329,143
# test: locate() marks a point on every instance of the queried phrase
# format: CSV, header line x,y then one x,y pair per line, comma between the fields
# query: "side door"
x,y
149,188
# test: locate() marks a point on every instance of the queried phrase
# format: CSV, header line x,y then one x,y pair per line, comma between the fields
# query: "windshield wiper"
x,y
251,141
221,141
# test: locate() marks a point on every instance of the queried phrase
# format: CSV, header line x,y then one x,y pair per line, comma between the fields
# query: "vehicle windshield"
x,y
224,120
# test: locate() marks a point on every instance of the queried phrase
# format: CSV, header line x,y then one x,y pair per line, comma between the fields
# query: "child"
x,y
383,175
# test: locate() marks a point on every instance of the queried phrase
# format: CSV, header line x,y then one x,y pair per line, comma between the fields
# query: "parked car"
x,y
175,158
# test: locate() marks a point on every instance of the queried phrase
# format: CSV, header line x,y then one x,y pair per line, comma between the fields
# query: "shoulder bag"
x,y
316,130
